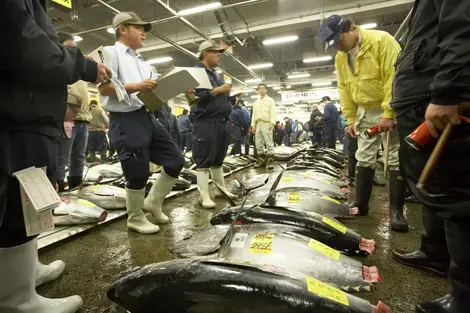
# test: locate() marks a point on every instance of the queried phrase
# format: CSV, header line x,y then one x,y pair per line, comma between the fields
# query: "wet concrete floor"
x,y
97,258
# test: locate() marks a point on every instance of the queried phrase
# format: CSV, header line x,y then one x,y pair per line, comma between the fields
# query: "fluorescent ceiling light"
x,y
258,66
318,59
255,80
277,88
254,97
274,41
301,83
110,30
160,60
201,8
321,84
369,26
298,76
288,87
77,38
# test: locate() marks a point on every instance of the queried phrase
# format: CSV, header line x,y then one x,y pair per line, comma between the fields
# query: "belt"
x,y
80,122
211,121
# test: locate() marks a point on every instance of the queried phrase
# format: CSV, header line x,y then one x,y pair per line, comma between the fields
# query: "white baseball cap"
x,y
209,45
130,18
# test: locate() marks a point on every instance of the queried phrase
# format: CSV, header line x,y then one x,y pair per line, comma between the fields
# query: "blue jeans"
x,y
72,151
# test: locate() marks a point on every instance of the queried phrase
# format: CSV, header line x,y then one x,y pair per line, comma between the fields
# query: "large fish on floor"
x,y
109,170
311,200
189,175
267,244
73,211
104,196
297,178
91,175
317,165
202,243
189,286
324,229
283,153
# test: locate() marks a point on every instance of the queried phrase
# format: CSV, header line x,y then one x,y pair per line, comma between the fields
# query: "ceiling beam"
x,y
289,22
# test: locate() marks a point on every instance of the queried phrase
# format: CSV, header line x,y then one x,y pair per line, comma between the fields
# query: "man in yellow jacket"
x,y
365,66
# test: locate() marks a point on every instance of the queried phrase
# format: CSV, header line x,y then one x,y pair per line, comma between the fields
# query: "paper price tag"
x,y
326,291
324,249
287,179
238,240
293,197
331,199
262,244
335,224
85,203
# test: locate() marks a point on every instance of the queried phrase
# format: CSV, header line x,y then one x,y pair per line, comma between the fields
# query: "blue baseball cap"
x,y
330,31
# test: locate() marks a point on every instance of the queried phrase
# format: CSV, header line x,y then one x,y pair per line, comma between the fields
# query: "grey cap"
x,y
130,18
210,45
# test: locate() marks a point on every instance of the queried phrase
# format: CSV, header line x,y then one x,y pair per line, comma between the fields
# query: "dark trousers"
x,y
140,138
97,141
246,141
186,141
287,139
317,138
447,196
210,145
352,161
20,150
329,134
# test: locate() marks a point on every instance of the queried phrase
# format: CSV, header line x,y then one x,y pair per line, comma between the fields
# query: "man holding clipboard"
x,y
137,135
211,129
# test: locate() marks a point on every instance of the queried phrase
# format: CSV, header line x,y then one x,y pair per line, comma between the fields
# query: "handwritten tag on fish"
x,y
262,244
335,224
238,240
287,179
331,199
293,197
86,203
326,291
324,249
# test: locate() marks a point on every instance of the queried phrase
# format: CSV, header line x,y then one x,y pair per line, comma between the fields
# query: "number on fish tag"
x,y
262,244
287,179
326,291
86,203
238,240
331,199
335,224
324,249
293,197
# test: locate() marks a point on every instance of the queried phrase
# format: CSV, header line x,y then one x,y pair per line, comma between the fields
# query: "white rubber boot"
x,y
203,187
154,201
136,220
48,273
17,284
217,174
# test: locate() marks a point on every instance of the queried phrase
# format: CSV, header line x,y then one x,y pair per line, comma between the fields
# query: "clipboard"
x,y
168,87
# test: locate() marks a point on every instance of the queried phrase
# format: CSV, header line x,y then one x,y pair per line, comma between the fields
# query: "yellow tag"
x,y
331,199
287,179
94,188
86,203
308,173
293,197
326,291
262,244
335,224
324,249
65,3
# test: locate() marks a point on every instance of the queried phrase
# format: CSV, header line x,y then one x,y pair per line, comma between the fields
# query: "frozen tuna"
x,y
105,196
73,211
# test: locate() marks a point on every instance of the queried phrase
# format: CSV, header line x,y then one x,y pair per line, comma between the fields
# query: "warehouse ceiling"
x,y
241,24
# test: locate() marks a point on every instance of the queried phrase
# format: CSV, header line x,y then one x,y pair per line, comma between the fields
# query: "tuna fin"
x,y
358,288
367,288
346,288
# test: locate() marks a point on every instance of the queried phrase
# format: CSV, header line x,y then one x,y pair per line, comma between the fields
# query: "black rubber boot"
x,y
397,202
270,162
103,155
261,161
433,255
458,300
364,181
74,181
61,185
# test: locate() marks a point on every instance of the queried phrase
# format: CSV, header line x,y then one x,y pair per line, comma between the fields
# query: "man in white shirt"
x,y
262,123
136,133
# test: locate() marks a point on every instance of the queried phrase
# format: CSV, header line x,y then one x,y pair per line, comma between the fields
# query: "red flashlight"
x,y
371,132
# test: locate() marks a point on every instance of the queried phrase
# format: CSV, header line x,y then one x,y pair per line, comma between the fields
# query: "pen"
x,y
100,53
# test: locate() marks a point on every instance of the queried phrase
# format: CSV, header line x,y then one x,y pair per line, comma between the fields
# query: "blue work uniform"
x,y
211,129
136,133
186,132
330,119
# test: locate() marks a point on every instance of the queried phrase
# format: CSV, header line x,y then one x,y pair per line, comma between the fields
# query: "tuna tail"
x,y
368,245
381,308
371,274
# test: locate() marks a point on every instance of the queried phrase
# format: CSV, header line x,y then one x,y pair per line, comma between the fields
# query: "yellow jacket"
x,y
371,85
